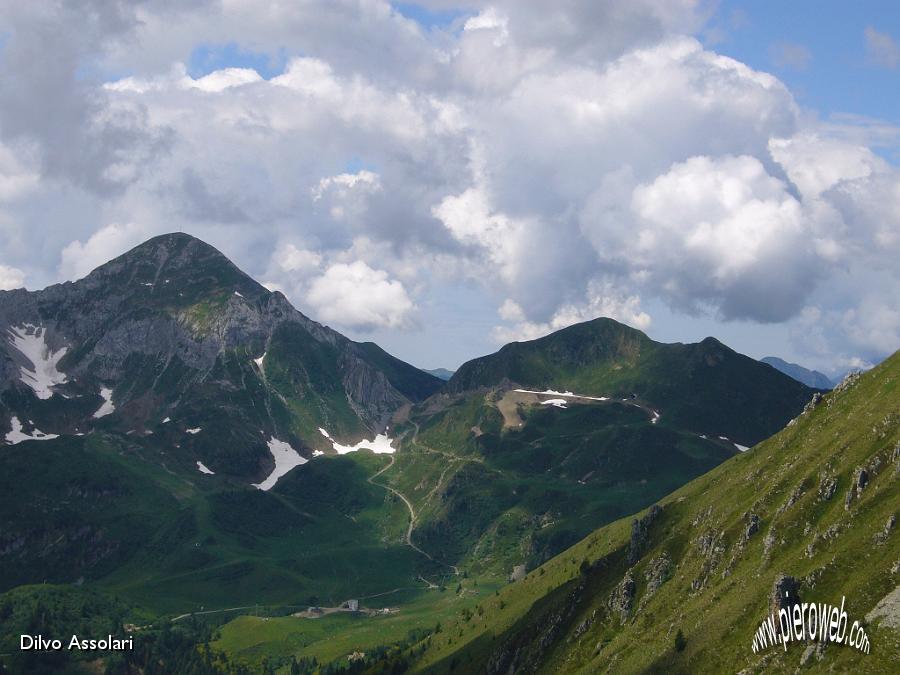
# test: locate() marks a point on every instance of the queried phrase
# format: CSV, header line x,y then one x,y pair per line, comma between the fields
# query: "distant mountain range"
x,y
441,373
811,378
176,435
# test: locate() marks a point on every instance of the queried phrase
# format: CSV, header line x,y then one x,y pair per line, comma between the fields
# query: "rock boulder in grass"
x,y
622,597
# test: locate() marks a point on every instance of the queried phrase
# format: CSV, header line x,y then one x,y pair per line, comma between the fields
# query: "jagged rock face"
x,y
827,488
785,593
175,331
368,389
639,529
658,571
524,653
752,526
622,597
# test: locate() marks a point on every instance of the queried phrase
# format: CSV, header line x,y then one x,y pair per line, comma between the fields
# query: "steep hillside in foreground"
x,y
817,502
704,387
171,340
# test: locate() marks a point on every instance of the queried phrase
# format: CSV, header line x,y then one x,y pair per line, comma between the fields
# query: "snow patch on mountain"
x,y
108,407
742,448
202,468
286,458
193,431
556,402
16,435
43,375
381,445
565,394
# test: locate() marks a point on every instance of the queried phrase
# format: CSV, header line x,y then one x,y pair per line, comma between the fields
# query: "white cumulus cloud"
x,y
712,233
11,278
301,261
78,259
602,300
356,296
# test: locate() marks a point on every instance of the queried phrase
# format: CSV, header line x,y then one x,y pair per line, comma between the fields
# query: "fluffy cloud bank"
x,y
11,278
356,295
571,161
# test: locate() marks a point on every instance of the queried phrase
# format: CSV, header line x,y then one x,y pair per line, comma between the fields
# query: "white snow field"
x,y
16,435
381,445
259,361
107,408
286,458
202,468
43,375
560,402
193,431
565,394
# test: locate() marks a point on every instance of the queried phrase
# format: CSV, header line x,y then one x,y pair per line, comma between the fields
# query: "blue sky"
x,y
838,75
206,58
430,18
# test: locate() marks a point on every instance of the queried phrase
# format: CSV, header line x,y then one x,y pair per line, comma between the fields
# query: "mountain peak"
x,y
175,260
179,247
172,239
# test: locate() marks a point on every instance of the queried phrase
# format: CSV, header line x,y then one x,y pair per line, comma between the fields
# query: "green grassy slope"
x,y
251,640
121,516
712,581
72,507
519,496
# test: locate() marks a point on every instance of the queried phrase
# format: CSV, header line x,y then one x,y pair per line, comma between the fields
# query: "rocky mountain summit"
x,y
172,339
